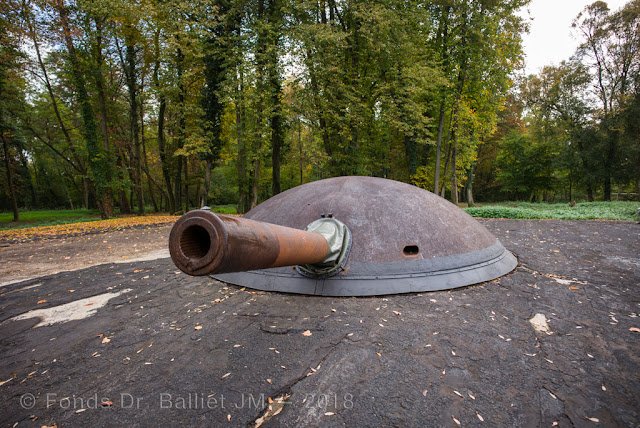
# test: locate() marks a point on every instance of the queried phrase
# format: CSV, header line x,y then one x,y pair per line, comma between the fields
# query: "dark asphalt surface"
x,y
191,351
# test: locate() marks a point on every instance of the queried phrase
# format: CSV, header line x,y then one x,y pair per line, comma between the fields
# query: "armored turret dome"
x,y
403,239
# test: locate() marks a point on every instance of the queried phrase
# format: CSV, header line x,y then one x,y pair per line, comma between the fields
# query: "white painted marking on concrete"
x,y
26,288
76,310
17,280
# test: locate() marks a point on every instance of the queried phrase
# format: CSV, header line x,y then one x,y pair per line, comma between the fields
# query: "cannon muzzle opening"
x,y
202,242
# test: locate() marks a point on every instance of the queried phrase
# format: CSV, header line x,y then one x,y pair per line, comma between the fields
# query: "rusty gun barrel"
x,y
202,242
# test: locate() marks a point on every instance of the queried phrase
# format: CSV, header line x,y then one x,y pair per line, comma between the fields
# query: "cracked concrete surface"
x,y
192,351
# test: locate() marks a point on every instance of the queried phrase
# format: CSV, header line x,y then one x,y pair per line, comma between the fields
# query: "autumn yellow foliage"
x,y
76,229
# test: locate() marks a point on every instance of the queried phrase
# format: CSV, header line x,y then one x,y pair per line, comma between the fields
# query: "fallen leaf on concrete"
x,y
5,381
539,323
457,393
306,333
594,419
573,288
81,410
229,418
635,330
269,380
604,388
106,340
455,420
106,404
397,313
479,417
471,396
198,327
227,375
424,393
42,301
329,413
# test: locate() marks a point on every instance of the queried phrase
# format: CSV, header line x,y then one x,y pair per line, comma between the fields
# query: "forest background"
x,y
170,105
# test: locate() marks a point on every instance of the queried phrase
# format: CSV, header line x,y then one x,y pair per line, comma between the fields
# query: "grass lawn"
x,y
616,210
224,209
47,218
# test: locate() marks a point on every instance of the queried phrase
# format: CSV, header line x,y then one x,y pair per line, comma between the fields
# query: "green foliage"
x,y
525,167
209,115
581,211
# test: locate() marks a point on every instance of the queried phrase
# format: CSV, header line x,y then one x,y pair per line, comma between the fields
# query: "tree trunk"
x,y
65,186
436,184
469,185
277,135
255,181
181,124
98,165
607,186
12,190
241,138
123,202
24,163
102,99
300,157
411,152
443,188
132,84
162,105
454,175
171,201
186,185
207,183
145,163
85,192
277,129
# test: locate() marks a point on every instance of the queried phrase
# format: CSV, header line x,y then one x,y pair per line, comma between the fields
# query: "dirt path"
x,y
26,260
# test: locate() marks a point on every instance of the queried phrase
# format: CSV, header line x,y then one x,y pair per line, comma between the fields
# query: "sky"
x,y
551,38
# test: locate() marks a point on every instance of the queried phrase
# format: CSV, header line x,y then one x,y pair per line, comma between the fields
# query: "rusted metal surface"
x,y
405,239
202,242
